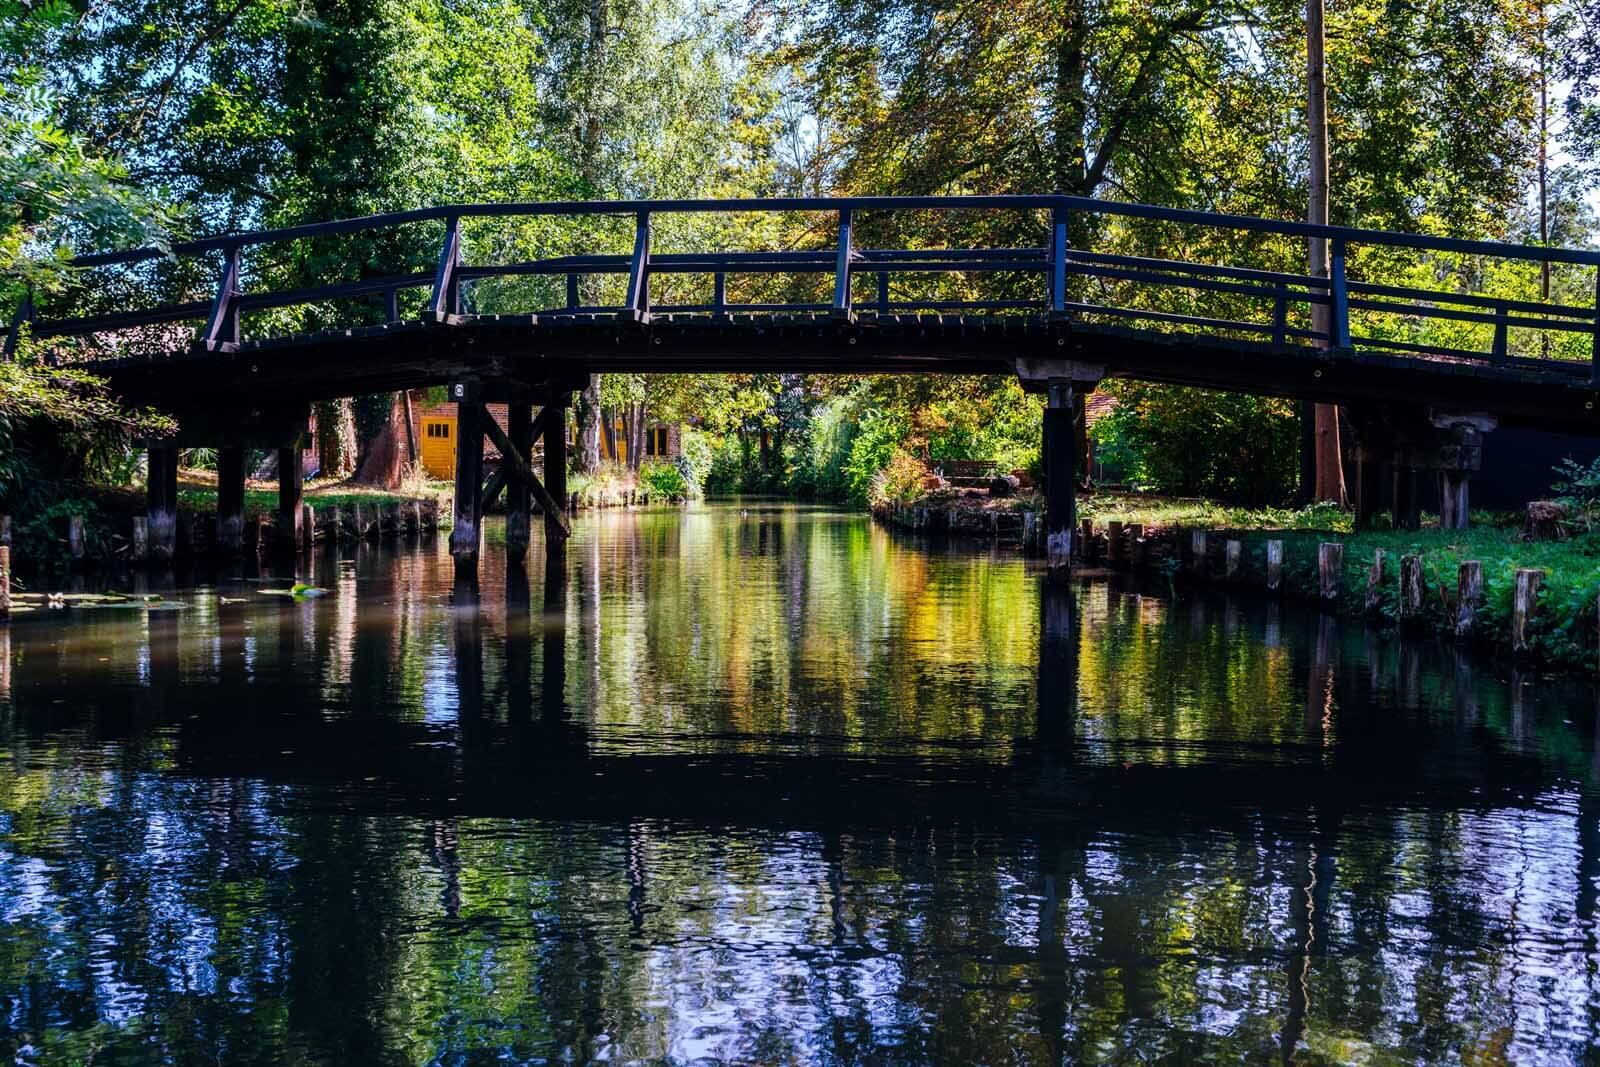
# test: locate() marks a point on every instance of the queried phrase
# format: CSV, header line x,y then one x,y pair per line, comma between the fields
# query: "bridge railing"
x,y
1467,312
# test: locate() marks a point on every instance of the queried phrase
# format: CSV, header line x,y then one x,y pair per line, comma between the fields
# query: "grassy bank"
x,y
197,491
1565,629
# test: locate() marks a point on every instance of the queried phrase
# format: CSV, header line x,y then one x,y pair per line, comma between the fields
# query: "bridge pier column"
x,y
291,498
1453,499
1061,478
1459,456
467,531
555,471
1367,488
230,500
161,501
1407,508
519,418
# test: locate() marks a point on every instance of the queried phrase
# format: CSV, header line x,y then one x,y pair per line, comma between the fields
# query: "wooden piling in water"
x,y
1274,566
416,518
5,581
1197,552
1330,567
230,500
1374,602
1469,595
1116,546
308,526
141,539
75,543
1524,609
1233,557
1410,590
1137,548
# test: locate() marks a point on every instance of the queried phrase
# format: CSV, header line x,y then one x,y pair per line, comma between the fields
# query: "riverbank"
x,y
1459,584
99,526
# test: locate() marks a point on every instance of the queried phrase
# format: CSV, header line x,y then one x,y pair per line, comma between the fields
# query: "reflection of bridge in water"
x,y
1403,739
1424,370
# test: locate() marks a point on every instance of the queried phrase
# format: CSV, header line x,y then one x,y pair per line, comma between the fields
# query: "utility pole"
x,y
1329,458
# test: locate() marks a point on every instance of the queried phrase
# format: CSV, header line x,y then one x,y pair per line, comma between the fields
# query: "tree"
x,y
1329,456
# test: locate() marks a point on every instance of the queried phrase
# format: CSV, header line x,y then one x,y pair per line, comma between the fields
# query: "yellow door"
x,y
439,446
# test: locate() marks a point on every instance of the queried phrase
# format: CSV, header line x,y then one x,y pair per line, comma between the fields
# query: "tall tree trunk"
x,y
336,438
1071,102
587,411
1330,462
629,423
1544,166
608,429
383,462
637,433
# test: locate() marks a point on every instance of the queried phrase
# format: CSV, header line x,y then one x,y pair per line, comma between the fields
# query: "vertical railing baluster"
x,y
572,292
1280,315
1501,340
391,303
1340,324
1594,351
636,306
883,292
23,317
719,293
222,324
445,298
1058,262
841,270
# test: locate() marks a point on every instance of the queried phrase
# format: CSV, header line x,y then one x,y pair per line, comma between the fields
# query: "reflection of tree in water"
x,y
1173,836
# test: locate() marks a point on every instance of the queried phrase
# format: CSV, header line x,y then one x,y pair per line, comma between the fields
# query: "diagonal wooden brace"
x,y
521,469
493,487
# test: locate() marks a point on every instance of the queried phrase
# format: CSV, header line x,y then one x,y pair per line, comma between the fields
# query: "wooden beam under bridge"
x,y
520,467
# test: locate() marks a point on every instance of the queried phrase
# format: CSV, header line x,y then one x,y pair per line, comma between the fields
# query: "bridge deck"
x,y
1365,331
526,351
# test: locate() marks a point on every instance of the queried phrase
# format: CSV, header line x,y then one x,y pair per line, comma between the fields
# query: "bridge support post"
x,y
1061,479
1453,499
1460,454
1407,508
291,497
230,500
467,532
555,471
1367,487
519,419
161,496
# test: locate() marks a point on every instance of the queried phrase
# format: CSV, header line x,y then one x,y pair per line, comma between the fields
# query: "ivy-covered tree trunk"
x,y
383,454
336,438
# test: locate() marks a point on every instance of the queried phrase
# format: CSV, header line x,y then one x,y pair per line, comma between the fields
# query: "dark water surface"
x,y
772,785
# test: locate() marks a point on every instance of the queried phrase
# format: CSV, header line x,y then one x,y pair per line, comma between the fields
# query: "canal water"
x,y
768,784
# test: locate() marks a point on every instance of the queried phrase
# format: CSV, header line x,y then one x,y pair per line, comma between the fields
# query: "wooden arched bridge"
x,y
1428,341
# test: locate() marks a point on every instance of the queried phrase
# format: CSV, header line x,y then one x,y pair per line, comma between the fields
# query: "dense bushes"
x,y
663,481
839,446
59,432
1192,442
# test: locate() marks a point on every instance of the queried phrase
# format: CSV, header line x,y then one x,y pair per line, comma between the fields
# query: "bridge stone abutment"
x,y
1062,380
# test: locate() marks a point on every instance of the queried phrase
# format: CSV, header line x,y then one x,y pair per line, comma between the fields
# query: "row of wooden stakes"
x,y
197,532
1412,592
